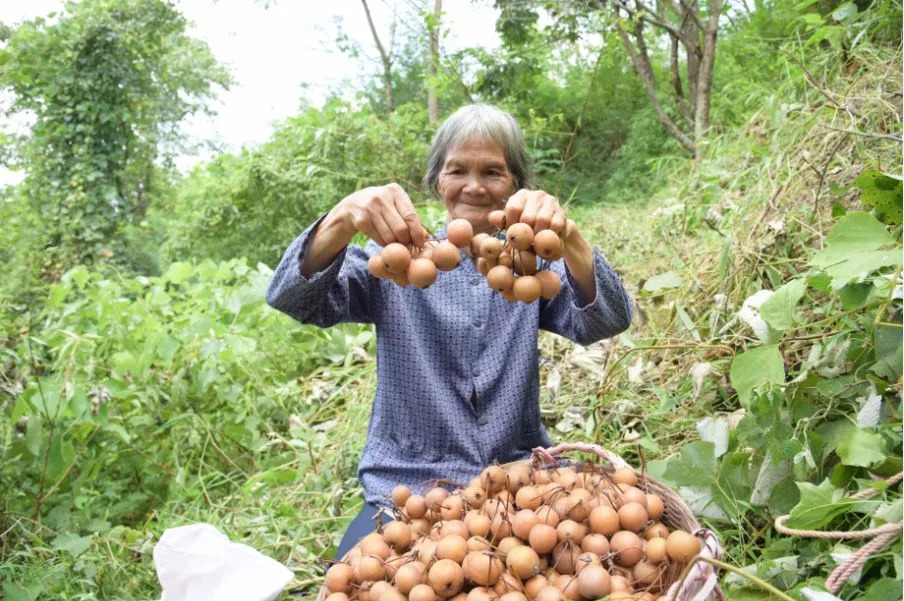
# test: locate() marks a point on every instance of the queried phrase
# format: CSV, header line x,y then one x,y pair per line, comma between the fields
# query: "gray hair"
x,y
482,121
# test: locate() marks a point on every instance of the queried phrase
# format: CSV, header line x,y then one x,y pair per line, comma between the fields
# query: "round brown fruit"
x,y
421,272
422,592
452,547
523,562
482,568
655,507
542,538
410,575
595,543
657,530
548,245
550,284
682,546
603,520
396,258
526,288
625,475
377,267
500,278
627,547
524,262
339,578
632,516
519,236
497,218
522,522
491,248
594,582
656,549
476,241
446,577
400,494
493,479
484,265
645,573
397,535
460,232
416,506
446,256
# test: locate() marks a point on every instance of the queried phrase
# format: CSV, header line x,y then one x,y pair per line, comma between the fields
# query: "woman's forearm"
x,y
332,235
579,260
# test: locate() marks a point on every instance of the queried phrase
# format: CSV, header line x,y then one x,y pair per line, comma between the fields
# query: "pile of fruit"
x,y
519,534
509,264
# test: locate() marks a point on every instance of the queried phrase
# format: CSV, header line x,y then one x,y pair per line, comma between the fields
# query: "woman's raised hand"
x,y
384,214
537,209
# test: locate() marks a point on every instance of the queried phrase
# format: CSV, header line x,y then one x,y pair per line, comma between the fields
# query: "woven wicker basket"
x,y
701,582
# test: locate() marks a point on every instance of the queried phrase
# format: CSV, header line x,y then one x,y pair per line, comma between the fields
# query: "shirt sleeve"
x,y
602,317
342,291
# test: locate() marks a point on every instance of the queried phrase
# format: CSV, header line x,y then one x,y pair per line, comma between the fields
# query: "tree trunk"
x,y
385,58
432,100
705,81
641,61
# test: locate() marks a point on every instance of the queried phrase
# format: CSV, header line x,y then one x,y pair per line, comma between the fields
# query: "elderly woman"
x,y
457,365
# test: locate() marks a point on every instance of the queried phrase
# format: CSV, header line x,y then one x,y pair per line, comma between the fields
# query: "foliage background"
x,y
144,384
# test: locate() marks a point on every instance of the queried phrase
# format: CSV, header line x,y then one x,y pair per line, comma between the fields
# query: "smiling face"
x,y
474,181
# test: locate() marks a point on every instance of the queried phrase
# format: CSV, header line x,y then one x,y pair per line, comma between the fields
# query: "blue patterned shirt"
x,y
457,365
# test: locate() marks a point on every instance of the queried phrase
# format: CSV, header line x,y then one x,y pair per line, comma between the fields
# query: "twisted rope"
x,y
882,537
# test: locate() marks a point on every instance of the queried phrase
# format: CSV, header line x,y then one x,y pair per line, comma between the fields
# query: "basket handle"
x,y
541,456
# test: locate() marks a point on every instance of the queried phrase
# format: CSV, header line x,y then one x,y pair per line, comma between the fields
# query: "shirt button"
x,y
474,281
477,323
476,373
483,420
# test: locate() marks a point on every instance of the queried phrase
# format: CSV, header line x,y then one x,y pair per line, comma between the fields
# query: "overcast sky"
x,y
274,48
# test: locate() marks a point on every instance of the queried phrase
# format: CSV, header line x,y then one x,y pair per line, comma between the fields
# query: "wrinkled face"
x,y
475,180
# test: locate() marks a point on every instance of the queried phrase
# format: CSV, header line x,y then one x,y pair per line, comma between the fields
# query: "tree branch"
x,y
385,57
643,68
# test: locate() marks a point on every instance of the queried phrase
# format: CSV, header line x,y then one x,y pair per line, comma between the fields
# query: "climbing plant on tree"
x,y
107,83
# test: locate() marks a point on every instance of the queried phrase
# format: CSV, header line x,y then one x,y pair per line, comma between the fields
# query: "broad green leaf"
x,y
178,272
34,434
14,592
61,455
854,295
754,368
882,590
818,505
845,12
167,348
696,465
778,309
882,193
663,281
861,448
890,513
888,351
856,246
73,543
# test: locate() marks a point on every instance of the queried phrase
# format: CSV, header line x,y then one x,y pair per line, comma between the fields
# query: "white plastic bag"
x,y
197,562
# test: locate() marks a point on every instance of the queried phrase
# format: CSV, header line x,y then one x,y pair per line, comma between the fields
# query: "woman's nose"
x,y
474,185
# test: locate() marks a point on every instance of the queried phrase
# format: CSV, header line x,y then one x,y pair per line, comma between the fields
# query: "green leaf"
x,y
861,448
778,310
72,543
167,348
34,434
663,281
856,246
882,193
882,590
888,352
178,272
754,368
854,295
818,505
696,466
14,592
845,12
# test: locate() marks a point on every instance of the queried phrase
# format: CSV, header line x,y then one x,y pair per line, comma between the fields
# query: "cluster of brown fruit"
x,y
509,264
519,534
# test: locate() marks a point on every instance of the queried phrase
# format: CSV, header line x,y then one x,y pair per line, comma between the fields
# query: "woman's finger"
x,y
416,232
514,206
558,220
396,224
545,213
383,230
531,206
